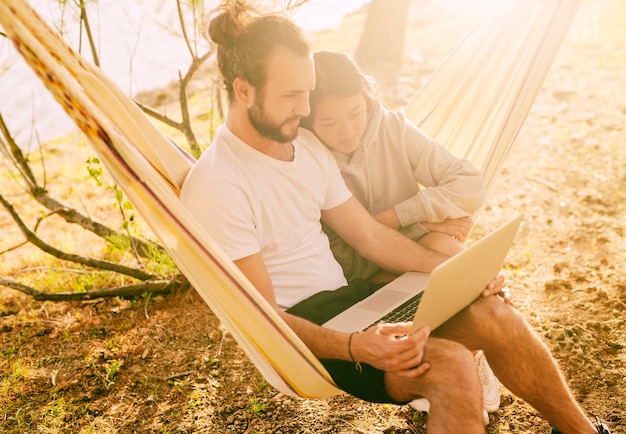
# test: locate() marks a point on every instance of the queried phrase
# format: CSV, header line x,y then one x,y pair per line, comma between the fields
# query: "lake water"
x,y
139,46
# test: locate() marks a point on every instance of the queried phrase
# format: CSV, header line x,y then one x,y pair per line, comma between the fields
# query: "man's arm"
x,y
387,247
379,243
379,346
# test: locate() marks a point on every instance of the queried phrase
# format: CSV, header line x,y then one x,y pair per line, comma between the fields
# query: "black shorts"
x,y
367,383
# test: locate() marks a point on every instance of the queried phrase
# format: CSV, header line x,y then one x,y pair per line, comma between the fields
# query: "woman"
x,y
403,177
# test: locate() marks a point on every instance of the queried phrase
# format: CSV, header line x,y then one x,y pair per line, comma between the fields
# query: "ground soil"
x,y
165,364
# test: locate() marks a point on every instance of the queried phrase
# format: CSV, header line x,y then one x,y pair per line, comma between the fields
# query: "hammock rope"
x,y
474,104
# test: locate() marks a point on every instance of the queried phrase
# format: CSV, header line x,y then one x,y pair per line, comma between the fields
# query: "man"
x,y
261,189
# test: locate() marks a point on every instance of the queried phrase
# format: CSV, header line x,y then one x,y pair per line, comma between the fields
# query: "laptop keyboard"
x,y
404,312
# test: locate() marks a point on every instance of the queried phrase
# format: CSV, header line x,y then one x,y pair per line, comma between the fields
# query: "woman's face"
x,y
339,122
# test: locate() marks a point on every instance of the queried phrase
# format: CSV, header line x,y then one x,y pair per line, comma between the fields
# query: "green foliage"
x,y
94,168
111,368
54,413
255,407
96,172
261,386
160,262
112,345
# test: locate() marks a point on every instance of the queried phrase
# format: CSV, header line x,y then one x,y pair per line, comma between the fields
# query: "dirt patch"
x,y
159,365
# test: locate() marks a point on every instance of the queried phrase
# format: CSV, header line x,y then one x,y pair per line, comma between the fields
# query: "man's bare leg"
x,y
451,385
519,359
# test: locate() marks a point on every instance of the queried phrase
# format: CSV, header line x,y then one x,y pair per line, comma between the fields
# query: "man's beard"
x,y
268,128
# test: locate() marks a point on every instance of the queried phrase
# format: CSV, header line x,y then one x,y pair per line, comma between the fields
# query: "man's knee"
x,y
452,372
450,361
492,310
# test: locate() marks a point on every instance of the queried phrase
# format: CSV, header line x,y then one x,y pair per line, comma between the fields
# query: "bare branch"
x,y
151,287
70,215
87,261
14,284
184,30
184,106
158,116
185,125
85,20
15,154
10,249
295,4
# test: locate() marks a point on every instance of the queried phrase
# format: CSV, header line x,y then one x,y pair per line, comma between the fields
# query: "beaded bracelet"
x,y
357,365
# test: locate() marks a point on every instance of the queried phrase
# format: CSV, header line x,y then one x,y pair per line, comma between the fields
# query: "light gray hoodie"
x,y
399,166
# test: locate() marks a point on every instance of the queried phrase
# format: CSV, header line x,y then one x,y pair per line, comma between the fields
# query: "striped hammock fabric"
x,y
474,104
476,101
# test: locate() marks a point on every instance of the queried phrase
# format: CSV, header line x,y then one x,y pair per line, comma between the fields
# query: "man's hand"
x,y
390,347
496,287
457,228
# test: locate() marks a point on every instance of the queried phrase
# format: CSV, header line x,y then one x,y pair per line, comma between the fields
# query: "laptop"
x,y
433,298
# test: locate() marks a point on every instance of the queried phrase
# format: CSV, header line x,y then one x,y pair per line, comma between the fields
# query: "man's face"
x,y
284,99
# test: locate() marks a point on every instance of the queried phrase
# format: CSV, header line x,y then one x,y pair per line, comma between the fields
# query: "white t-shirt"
x,y
249,202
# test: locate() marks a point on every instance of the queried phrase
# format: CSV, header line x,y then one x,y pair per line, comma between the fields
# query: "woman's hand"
x,y
496,287
457,228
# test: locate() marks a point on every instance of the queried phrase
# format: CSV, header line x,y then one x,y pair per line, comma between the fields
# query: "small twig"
x,y
10,249
159,117
179,375
64,270
33,322
15,154
184,30
145,307
184,105
84,19
291,6
53,377
544,183
219,349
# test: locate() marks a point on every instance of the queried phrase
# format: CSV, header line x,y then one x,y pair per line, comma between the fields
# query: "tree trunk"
x,y
382,43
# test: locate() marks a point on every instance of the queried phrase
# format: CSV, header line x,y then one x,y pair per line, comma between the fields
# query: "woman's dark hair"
x,y
246,38
337,74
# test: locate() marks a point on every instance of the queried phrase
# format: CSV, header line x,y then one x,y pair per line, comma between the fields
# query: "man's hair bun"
x,y
233,19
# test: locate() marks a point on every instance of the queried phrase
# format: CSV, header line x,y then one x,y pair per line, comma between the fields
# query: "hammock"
x,y
474,104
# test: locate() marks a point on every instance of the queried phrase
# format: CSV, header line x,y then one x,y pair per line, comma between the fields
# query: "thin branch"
x,y
295,4
151,287
10,249
145,307
15,154
185,125
84,19
71,215
184,30
87,261
61,270
158,116
184,106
